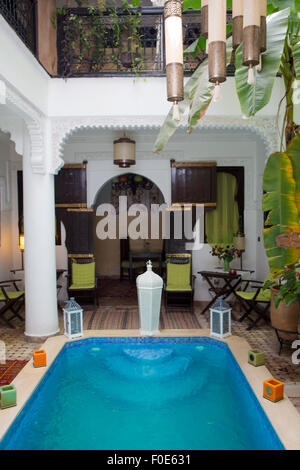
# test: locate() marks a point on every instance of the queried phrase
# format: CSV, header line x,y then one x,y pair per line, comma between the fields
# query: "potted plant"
x,y
227,254
285,302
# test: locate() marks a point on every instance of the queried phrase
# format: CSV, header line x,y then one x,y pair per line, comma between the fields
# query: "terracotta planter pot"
x,y
285,318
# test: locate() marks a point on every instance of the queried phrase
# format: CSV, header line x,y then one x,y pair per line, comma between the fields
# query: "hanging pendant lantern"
x,y
217,44
124,152
263,25
174,53
237,23
251,36
204,19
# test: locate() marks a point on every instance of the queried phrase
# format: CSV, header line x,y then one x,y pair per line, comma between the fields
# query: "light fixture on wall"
x,y
22,246
217,44
174,53
124,152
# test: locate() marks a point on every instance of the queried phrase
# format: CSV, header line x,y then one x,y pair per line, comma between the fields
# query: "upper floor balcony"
x,y
85,43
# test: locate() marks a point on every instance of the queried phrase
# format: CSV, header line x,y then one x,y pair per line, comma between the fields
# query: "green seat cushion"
x,y
11,295
263,296
171,288
82,286
83,274
179,277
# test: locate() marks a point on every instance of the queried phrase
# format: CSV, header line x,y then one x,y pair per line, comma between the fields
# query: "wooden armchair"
x,y
12,300
179,282
82,278
256,301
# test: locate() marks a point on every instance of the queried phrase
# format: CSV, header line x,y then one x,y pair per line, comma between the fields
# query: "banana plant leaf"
x,y
296,58
170,125
280,200
293,151
254,97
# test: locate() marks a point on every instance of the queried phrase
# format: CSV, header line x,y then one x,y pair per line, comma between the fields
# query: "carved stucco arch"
x,y
63,128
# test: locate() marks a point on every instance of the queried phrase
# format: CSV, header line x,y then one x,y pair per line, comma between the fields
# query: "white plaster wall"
x,y
19,68
10,255
119,96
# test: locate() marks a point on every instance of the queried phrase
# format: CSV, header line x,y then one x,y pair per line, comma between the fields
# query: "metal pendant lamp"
x,y
124,152
251,36
174,53
237,23
217,44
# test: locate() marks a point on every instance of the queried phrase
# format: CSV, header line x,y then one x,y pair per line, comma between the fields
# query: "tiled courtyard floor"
x,y
122,313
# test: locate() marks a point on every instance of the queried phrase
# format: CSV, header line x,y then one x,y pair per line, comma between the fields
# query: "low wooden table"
x,y
231,282
145,255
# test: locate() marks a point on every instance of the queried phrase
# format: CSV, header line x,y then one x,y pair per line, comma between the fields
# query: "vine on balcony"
x,y
98,35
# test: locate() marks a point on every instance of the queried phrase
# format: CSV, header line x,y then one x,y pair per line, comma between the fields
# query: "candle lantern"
x,y
174,53
73,324
204,19
217,44
251,36
220,319
237,23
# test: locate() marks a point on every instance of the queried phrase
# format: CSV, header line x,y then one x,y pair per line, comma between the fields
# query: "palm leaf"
x,y
254,97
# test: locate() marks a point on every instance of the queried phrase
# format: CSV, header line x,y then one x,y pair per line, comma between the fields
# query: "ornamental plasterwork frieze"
x,y
34,121
63,128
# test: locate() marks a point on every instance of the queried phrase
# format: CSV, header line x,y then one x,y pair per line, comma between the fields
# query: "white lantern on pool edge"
x,y
149,286
220,319
73,324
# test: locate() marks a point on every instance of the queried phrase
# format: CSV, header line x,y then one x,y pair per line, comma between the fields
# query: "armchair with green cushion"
x,y
12,300
179,282
256,301
83,278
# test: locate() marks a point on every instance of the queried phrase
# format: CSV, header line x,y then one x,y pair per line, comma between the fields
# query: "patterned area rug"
x,y
116,288
9,370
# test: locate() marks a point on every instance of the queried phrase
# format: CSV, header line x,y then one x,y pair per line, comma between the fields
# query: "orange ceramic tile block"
x,y
39,358
273,390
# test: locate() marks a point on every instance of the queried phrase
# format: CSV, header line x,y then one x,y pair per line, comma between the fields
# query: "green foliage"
x,y
287,283
254,98
89,39
281,182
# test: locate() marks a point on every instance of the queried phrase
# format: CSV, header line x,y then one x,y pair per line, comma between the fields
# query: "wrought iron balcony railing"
x,y
104,54
106,57
21,15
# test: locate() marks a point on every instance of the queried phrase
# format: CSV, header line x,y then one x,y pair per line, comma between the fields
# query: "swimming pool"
x,y
143,393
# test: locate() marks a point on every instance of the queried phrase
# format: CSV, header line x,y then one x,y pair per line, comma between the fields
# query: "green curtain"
x,y
223,222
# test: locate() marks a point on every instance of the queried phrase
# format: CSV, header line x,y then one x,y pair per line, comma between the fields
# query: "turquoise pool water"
x,y
143,393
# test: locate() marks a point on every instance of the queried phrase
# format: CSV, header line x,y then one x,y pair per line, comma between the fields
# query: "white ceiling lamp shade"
x,y
217,44
237,23
251,36
174,53
124,152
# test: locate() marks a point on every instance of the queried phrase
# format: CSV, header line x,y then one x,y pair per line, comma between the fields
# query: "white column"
x,y
39,254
